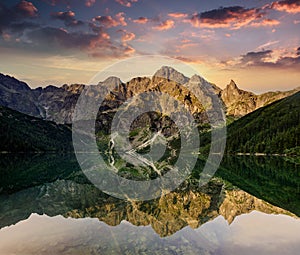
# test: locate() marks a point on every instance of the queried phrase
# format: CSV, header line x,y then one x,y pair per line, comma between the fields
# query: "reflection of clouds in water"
x,y
254,233
258,234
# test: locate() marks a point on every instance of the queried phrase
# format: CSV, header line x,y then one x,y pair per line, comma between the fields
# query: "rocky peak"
x,y
171,74
57,103
232,92
73,88
12,83
196,79
112,81
232,86
238,102
52,89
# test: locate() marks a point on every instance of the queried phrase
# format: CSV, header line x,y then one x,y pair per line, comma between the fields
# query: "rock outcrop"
x,y
239,102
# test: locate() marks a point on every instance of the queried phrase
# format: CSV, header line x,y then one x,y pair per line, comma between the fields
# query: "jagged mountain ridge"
x,y
57,103
240,103
18,96
167,215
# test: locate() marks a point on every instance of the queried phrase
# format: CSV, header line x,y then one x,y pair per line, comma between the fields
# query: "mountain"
x,y
18,95
273,179
274,128
170,73
186,206
57,103
24,133
240,103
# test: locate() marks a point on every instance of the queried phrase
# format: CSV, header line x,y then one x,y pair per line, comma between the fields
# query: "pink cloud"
x,y
68,14
177,15
234,17
141,20
127,36
126,3
165,25
26,9
109,21
6,37
290,6
128,50
186,46
108,51
121,18
90,3
194,60
265,23
185,41
68,18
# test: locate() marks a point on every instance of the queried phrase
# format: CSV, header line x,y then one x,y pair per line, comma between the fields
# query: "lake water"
x,y
254,233
47,206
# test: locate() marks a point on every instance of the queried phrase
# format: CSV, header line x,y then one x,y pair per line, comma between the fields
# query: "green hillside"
x,y
23,133
271,129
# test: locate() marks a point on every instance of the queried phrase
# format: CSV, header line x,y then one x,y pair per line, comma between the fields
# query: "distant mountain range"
x,y
57,103
270,123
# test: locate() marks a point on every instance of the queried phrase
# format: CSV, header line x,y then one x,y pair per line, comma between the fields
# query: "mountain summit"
x,y
171,74
57,103
239,102
232,86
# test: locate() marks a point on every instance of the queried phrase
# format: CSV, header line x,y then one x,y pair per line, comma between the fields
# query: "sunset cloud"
x,y
16,18
141,20
123,50
95,45
177,15
233,17
265,23
256,58
68,18
127,36
165,25
253,36
267,44
61,38
126,3
26,9
271,58
290,6
109,21
90,3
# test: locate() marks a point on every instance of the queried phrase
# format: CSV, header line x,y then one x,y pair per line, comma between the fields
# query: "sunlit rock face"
x,y
239,102
58,103
239,202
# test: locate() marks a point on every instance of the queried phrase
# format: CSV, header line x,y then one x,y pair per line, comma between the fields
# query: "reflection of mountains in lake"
x,y
274,179
69,194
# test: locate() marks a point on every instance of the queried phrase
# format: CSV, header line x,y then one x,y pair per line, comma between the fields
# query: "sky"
x,y
256,43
